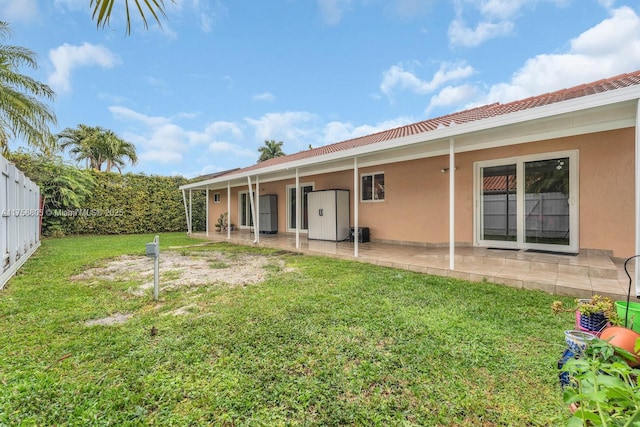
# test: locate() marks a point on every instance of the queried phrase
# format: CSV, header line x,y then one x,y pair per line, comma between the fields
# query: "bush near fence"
x,y
133,203
80,201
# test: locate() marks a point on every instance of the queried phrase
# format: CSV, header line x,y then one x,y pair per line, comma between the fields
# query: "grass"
x,y
321,342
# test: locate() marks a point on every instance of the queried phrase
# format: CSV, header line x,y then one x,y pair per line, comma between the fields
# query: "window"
x,y
372,187
216,197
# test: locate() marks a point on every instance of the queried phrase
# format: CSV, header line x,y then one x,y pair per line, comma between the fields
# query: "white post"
x,y
190,212
156,270
256,224
229,210
356,200
252,207
297,209
637,201
186,211
452,205
206,210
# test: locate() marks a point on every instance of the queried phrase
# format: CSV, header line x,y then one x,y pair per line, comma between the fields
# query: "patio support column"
x,y
253,209
228,210
297,209
356,213
637,197
186,211
206,210
452,204
256,224
190,212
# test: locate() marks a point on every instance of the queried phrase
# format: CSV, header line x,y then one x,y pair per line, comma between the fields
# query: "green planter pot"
x,y
633,322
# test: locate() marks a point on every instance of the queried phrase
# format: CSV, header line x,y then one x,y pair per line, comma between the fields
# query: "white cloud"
x,y
452,96
612,47
333,10
461,35
19,10
294,128
128,114
502,9
264,96
397,78
341,131
160,140
220,147
215,130
67,57
161,156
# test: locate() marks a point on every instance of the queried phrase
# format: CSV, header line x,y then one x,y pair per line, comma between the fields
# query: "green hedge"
x,y
133,203
79,201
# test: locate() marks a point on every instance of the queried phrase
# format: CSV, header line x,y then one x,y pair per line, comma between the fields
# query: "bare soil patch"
x,y
179,269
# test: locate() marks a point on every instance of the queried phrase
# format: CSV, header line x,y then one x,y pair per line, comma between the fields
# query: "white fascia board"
x,y
558,108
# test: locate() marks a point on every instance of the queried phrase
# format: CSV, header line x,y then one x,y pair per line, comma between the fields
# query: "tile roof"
x,y
474,114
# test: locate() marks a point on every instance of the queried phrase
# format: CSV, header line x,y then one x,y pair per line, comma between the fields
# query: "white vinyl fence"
x,y
19,219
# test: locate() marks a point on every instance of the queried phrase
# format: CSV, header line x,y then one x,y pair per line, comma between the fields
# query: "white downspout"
x,y
186,210
229,210
356,213
206,209
253,208
637,197
256,228
452,205
297,209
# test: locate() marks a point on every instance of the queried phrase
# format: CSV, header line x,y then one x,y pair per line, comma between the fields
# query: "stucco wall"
x,y
416,205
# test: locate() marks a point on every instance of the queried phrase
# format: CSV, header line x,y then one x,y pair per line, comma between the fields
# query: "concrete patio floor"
x,y
580,276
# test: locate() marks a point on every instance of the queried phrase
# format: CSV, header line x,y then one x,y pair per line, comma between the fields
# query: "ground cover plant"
x,y
312,341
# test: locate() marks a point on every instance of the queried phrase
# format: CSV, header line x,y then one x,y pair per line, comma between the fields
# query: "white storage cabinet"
x,y
328,215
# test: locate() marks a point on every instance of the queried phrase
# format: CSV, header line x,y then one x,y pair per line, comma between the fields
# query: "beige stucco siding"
x,y
416,205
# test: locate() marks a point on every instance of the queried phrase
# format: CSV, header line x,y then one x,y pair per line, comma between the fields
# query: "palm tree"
x,y
115,150
102,11
97,146
22,114
270,150
81,142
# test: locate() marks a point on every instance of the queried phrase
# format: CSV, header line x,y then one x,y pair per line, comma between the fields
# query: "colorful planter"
x,y
595,322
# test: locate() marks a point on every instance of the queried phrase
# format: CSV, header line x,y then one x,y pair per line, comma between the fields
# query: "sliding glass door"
x,y
291,206
528,202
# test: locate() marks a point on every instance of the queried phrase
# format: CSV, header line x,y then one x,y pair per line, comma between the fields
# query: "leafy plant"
x,y
222,221
594,305
603,389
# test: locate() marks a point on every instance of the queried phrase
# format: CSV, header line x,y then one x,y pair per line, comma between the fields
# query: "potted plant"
x,y
593,314
602,388
222,222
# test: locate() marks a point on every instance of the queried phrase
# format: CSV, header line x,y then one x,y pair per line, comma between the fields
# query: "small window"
x,y
216,197
373,187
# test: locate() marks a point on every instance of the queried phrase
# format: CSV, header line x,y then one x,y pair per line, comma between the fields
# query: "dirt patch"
x,y
179,269
111,320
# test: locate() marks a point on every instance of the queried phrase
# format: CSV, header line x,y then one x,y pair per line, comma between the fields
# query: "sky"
x,y
203,91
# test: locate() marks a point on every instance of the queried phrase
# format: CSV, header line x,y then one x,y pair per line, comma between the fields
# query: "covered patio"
x,y
580,276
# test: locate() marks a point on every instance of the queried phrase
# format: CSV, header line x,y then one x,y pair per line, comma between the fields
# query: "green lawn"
x,y
320,342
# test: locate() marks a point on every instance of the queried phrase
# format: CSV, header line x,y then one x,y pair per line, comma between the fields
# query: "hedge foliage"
x,y
79,201
135,203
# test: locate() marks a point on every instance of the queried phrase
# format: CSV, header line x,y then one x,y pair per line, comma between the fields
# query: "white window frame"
x,y
216,197
288,204
373,179
574,202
